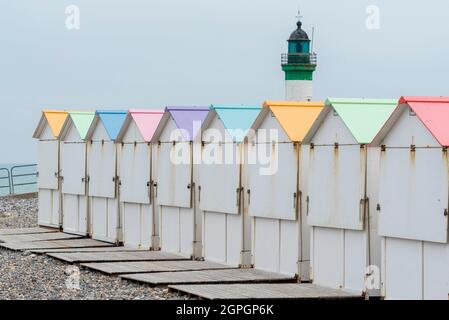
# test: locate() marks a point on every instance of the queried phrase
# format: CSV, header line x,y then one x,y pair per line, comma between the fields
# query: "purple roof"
x,y
190,119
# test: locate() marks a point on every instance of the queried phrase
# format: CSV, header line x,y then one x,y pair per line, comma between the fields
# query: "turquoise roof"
x,y
237,119
112,121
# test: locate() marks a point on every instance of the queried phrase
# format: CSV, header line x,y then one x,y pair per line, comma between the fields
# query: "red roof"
x,y
434,114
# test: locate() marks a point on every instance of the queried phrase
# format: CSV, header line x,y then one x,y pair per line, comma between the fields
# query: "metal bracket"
x,y
249,196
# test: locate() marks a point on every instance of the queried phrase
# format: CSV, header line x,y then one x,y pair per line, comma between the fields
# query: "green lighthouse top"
x,y
298,34
300,62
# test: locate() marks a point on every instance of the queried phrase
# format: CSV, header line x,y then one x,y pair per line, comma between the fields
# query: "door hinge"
x,y
378,207
445,212
249,196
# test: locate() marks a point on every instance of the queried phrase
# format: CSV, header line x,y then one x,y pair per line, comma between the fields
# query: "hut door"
x,y
413,198
220,182
48,154
337,186
273,186
174,184
73,167
102,162
135,173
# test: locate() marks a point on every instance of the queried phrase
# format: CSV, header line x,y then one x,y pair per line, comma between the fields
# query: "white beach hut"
x,y
342,194
177,172
226,225
102,170
74,172
49,184
413,200
277,176
138,210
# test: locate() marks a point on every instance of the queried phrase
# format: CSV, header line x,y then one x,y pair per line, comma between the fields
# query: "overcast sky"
x,y
142,53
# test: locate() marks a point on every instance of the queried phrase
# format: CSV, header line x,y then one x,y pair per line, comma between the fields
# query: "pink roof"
x,y
434,114
147,121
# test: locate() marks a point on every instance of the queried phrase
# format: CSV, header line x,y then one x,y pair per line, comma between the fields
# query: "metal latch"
x,y
378,207
294,200
307,205
155,189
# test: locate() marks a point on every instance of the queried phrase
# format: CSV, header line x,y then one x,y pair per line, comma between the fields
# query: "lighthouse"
x,y
298,64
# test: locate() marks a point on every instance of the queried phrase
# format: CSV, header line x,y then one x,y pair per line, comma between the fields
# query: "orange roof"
x,y
55,119
296,118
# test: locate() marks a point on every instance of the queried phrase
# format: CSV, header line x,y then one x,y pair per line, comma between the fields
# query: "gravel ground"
x,y
24,275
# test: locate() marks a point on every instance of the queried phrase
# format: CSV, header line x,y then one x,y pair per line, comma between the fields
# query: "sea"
x,y
17,178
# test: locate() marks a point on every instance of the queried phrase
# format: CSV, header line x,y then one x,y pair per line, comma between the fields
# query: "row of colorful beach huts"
x,y
349,193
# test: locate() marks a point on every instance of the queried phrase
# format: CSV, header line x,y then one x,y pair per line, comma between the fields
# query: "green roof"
x,y
82,121
363,117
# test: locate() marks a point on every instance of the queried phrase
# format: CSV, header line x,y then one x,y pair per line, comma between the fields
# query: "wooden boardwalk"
x,y
7,232
263,291
101,249
38,237
82,257
74,243
209,276
153,266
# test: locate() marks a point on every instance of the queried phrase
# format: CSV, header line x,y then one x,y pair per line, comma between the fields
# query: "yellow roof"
x,y
55,119
296,118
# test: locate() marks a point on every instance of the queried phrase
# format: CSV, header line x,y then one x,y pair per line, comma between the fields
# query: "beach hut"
x,y
226,225
342,193
74,172
277,176
102,171
177,163
49,184
413,199
140,227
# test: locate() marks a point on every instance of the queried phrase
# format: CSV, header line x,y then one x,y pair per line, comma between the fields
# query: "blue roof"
x,y
237,119
112,121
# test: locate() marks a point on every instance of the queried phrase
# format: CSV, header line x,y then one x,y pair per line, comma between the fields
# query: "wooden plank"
x,y
209,276
153,266
38,237
264,291
74,243
81,257
7,232
100,249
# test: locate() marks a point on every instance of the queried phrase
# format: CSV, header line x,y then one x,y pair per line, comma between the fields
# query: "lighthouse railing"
x,y
298,58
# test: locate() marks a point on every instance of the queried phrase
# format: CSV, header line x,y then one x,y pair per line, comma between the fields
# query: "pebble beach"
x,y
27,276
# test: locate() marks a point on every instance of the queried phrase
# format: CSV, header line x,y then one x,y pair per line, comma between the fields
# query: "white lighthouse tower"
x,y
298,64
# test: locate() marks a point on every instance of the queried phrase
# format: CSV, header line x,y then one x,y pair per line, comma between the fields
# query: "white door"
x,y
220,181
403,268
336,186
135,173
48,157
101,169
174,174
273,185
413,194
73,167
